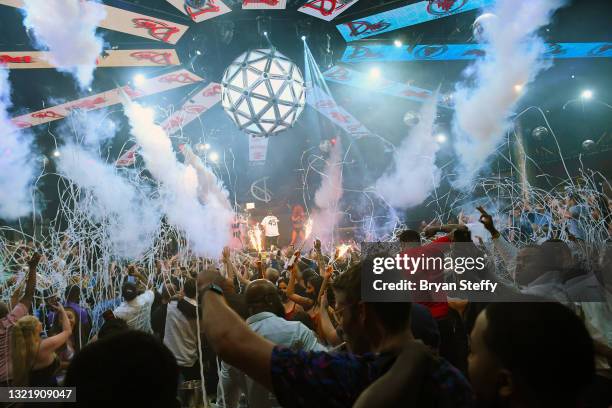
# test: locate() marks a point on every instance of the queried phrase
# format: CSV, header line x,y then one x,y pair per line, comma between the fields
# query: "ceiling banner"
x,y
150,86
264,4
132,23
258,149
346,76
192,108
212,8
327,106
450,52
406,16
111,58
326,9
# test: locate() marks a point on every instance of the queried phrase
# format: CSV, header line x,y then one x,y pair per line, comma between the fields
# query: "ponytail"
x,y
24,344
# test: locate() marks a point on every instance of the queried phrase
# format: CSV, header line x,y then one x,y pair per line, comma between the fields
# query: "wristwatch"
x,y
214,287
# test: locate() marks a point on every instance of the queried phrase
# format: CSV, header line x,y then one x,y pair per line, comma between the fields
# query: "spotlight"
x,y
56,153
265,33
198,52
303,38
89,89
397,43
139,79
441,138
206,146
518,88
586,94
213,157
375,73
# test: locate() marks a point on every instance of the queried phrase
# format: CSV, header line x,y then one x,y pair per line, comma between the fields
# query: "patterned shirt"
x,y
334,380
6,324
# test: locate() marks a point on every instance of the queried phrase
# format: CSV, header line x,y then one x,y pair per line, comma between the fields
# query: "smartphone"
x,y
131,279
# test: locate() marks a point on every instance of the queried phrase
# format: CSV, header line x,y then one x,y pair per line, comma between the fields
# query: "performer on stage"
x,y
270,225
297,218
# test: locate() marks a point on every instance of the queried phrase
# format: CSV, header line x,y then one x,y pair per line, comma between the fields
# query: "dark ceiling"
x,y
581,21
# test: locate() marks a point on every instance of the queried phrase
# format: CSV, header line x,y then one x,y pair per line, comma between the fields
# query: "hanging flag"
x,y
407,16
132,23
450,52
128,158
150,86
258,149
264,4
111,58
211,9
326,9
192,108
327,106
346,76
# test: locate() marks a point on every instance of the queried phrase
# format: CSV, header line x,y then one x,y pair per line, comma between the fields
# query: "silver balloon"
x,y
588,144
411,118
539,133
482,25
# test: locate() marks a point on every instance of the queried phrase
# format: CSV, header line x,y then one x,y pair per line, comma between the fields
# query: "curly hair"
x,y
24,347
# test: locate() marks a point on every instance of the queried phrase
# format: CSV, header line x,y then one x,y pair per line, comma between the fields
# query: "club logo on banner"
x,y
151,86
211,9
132,23
327,106
326,9
194,107
449,52
406,16
346,76
264,4
112,58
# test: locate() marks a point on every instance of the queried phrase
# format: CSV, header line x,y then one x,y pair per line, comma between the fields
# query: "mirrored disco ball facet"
x,y
263,92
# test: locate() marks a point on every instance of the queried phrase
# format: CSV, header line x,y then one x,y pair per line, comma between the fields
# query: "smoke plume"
x,y
207,227
67,29
16,163
414,174
327,198
495,83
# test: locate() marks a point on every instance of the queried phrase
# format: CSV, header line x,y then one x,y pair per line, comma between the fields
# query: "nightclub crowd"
x,y
288,327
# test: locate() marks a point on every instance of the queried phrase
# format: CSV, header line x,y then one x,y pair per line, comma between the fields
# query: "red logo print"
x,y
210,7
266,2
444,7
182,78
364,27
157,29
327,7
212,91
339,74
47,114
194,109
87,104
6,59
161,58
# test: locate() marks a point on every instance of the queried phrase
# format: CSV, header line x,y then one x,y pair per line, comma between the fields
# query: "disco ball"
x,y
539,133
411,118
263,92
588,144
483,23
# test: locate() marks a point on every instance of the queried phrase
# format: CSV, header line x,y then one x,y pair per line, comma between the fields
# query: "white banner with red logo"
x,y
132,23
111,58
326,9
128,158
194,107
327,106
258,149
150,86
264,4
211,9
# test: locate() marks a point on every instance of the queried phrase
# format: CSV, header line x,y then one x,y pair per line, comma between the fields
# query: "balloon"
x,y
588,144
482,25
411,118
539,133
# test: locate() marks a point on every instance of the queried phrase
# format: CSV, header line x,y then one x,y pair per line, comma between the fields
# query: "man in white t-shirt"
x,y
270,225
136,308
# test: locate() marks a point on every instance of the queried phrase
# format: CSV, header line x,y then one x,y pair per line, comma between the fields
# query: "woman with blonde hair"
x,y
34,359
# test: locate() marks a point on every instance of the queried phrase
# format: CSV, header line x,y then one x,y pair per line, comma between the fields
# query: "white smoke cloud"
x,y
414,174
89,129
207,227
210,188
327,198
67,28
484,101
133,220
17,165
